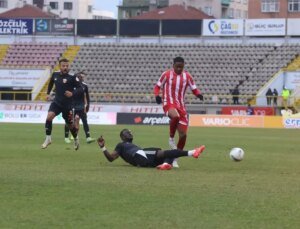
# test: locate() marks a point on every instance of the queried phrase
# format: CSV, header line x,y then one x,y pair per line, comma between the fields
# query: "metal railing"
x,y
149,98
15,95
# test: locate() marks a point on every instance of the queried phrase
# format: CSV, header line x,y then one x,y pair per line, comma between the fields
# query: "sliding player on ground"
x,y
147,157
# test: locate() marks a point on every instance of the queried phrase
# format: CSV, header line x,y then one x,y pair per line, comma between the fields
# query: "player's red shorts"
x,y
183,117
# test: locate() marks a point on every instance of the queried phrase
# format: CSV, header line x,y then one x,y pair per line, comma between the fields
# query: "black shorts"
x,y
66,111
81,114
151,160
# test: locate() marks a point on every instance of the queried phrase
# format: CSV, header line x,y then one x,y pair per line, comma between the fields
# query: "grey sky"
x,y
107,5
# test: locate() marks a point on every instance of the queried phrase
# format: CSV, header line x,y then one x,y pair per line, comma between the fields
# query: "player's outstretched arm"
x,y
109,156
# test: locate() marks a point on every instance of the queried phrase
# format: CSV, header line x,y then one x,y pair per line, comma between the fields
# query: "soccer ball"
x,y
236,154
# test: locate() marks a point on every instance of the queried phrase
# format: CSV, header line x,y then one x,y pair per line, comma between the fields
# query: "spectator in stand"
x,y
250,110
269,96
275,95
285,96
235,95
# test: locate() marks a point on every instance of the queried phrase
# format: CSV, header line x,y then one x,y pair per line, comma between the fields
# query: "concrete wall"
x,y
241,6
79,11
256,12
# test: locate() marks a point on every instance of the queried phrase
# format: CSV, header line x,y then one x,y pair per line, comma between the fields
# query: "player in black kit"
x,y
81,105
63,102
147,157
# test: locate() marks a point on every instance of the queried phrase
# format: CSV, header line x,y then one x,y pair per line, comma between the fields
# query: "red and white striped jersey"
x,y
174,87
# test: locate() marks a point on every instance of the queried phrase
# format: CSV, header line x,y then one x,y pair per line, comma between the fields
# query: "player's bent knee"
x,y
50,117
173,113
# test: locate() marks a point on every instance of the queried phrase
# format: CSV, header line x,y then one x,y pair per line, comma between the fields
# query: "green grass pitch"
x,y
62,188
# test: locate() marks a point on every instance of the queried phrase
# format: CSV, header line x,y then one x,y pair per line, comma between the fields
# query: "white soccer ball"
x,y
236,154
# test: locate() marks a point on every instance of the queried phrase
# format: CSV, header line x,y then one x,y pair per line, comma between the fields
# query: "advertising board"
x,y
42,26
223,27
242,110
63,26
21,78
293,27
142,119
265,27
16,26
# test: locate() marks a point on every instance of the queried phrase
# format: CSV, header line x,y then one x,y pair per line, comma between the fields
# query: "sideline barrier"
x,y
124,108
19,112
99,118
242,110
22,112
142,119
237,121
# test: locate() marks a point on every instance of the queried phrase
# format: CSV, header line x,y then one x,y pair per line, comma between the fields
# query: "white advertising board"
x,y
292,80
23,112
150,109
223,27
99,118
293,27
20,78
265,27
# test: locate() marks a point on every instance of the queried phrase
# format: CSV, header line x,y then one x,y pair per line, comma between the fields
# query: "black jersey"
x,y
127,151
63,83
79,100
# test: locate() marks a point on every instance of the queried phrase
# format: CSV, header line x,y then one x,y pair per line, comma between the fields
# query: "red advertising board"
x,y
242,110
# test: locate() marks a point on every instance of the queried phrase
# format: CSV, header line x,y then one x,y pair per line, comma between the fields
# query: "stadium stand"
x,y
132,69
260,74
127,72
33,54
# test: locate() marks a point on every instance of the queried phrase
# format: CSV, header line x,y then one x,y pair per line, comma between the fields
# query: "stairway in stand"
x,y
3,51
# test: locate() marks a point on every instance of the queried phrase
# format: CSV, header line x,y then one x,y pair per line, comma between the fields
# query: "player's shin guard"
x,y
48,127
175,153
173,126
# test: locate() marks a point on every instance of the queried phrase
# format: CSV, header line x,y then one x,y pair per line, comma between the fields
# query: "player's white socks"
x,y
191,152
172,143
48,138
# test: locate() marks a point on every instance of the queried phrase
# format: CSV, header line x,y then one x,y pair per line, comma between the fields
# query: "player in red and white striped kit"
x,y
174,83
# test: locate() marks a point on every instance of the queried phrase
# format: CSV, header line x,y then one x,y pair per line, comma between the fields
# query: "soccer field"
x,y
62,188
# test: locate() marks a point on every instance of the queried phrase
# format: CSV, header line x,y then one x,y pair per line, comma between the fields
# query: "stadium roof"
x,y
27,11
174,12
